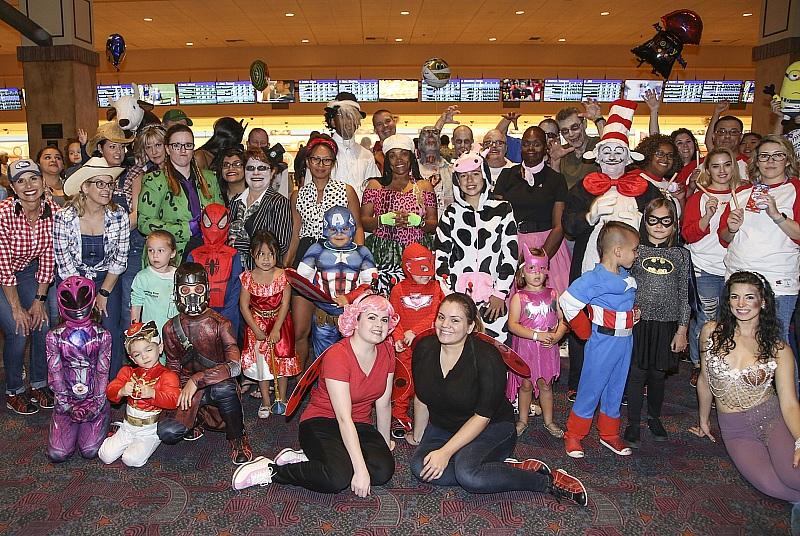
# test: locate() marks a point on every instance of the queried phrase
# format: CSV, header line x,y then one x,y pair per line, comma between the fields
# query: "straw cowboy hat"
x,y
110,131
94,167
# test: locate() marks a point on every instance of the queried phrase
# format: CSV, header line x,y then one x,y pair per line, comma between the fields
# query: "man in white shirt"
x,y
355,165
435,168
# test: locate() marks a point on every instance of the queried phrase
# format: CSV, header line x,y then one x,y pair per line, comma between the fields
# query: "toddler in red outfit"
x,y
416,299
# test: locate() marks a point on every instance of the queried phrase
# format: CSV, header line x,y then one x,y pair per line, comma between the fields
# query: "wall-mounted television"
x,y
521,89
317,90
480,89
398,90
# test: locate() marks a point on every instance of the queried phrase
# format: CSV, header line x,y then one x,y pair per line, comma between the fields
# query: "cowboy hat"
x,y
110,131
94,167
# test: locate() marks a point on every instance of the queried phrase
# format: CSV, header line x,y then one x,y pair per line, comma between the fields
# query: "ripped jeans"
x,y
709,290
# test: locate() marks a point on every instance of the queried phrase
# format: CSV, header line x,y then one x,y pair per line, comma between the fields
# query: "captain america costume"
x,y
610,299
341,270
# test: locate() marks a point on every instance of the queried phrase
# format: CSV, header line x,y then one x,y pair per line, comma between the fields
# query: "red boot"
x,y
577,428
608,429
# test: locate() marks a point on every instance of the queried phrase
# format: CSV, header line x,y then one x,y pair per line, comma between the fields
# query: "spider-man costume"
x,y
222,263
341,270
78,361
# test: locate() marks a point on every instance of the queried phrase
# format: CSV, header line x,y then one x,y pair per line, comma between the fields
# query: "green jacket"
x,y
159,209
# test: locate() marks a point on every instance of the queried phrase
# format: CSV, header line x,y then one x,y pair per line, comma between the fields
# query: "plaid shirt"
x,y
68,249
22,243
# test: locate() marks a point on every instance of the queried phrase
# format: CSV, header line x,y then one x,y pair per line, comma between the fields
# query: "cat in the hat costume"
x,y
610,194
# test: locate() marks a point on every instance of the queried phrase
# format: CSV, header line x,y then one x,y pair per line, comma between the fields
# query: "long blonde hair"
x,y
735,180
78,202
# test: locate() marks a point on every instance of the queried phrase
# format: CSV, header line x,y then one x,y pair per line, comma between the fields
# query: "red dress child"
x,y
260,359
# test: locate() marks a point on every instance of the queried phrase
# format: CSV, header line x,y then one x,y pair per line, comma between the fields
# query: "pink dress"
x,y
537,311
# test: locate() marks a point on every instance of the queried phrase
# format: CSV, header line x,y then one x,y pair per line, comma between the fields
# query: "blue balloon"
x,y
115,49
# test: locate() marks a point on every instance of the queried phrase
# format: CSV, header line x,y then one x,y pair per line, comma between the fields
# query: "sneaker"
x,y
695,376
194,434
631,436
263,412
288,456
616,446
657,429
624,401
259,472
564,485
571,395
240,450
21,404
44,397
573,447
531,464
399,428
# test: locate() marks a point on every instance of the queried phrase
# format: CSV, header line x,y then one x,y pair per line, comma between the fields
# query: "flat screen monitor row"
x,y
456,90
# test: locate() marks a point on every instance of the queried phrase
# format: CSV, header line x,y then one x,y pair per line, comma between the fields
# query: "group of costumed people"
x,y
447,319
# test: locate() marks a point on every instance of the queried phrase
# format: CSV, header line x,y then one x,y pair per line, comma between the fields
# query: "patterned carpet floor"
x,y
685,486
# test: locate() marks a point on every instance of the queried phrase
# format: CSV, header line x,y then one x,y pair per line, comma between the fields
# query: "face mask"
x,y
76,297
191,289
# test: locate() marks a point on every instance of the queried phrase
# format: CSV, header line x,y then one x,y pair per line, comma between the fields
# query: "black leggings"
x,y
329,469
637,378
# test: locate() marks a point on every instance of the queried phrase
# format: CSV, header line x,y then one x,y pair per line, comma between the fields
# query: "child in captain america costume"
x,y
78,362
339,267
609,291
221,261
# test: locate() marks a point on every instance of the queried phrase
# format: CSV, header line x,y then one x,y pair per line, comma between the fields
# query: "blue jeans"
x,y
785,306
478,467
125,281
709,291
14,349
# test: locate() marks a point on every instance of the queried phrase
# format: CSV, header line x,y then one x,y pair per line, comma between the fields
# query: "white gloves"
x,y
602,206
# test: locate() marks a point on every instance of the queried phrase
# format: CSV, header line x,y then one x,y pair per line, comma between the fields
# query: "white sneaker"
x,y
288,456
263,412
256,473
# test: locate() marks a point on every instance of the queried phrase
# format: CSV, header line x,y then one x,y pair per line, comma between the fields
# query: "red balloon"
x,y
685,24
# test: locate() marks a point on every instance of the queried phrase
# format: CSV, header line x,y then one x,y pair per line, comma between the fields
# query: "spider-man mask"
x,y
215,224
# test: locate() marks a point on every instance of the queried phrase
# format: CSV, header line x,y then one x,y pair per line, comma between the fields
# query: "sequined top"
x,y
739,388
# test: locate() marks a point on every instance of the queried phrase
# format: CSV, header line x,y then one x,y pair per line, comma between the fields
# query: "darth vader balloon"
x,y
115,49
681,27
661,52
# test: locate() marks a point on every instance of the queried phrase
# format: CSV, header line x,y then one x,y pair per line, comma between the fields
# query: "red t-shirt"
x,y
340,363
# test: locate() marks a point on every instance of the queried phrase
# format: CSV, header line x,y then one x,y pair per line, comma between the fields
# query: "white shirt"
x,y
355,165
495,171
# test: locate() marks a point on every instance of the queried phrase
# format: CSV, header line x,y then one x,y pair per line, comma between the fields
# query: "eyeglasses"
x,y
27,178
177,146
321,161
237,164
494,143
260,168
101,185
775,157
576,127
666,221
733,132
667,156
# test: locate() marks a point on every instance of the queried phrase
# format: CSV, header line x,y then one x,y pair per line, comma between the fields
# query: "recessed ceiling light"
x,y
289,14
148,19
492,39
405,13
189,43
304,40
561,40
604,13
747,14
519,13
398,39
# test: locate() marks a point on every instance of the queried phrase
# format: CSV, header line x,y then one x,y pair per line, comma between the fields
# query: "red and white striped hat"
x,y
617,127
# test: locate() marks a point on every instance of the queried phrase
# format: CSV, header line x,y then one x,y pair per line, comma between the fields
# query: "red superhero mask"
x,y
215,254
215,225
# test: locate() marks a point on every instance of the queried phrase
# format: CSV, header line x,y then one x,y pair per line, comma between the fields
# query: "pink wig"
x,y
373,303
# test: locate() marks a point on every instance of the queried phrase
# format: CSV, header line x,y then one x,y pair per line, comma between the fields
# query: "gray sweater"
x,y
662,278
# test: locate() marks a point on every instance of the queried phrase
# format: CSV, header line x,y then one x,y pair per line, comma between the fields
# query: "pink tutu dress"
x,y
537,311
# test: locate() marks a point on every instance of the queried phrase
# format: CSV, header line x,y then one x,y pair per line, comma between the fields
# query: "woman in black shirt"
x,y
537,194
463,423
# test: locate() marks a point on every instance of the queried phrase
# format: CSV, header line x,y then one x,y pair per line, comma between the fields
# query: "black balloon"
x,y
661,52
115,49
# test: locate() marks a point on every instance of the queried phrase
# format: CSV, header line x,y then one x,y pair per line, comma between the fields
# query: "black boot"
x,y
657,429
631,436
